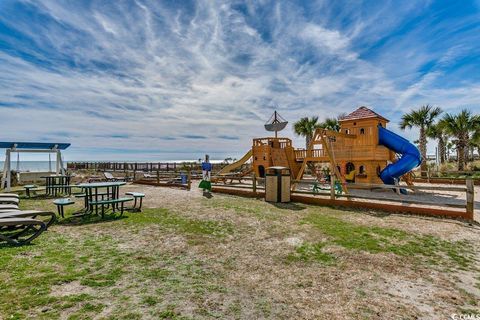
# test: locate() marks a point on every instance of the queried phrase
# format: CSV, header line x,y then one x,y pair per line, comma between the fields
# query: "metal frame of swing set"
x,y
29,147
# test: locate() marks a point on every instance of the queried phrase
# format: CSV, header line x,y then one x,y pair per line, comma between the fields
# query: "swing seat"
x,y
350,176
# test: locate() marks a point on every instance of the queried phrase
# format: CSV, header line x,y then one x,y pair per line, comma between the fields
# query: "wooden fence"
x,y
166,179
398,203
447,177
139,166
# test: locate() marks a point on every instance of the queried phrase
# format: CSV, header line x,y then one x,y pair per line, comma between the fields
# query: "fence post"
x,y
470,198
158,176
189,180
254,183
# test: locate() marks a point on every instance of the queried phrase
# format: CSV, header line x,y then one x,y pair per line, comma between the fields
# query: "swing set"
x,y
30,147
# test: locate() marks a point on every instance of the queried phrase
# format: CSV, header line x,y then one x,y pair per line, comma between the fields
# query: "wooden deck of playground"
x,y
454,201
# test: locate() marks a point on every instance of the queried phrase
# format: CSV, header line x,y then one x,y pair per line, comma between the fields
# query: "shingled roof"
x,y
362,113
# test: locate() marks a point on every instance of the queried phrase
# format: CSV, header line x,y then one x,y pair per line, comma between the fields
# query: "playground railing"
x,y
167,179
396,200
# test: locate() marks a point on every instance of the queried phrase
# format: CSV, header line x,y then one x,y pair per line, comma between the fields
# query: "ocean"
x,y
32,166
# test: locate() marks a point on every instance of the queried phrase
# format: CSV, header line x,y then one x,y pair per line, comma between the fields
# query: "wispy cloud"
x,y
204,75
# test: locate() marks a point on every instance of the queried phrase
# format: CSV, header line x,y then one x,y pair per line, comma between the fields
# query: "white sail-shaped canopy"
x,y
276,123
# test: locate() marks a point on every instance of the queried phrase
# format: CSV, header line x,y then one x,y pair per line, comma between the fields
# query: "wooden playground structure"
x,y
363,154
351,155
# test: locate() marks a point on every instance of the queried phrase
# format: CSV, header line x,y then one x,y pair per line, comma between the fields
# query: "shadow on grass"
x,y
288,206
207,194
77,220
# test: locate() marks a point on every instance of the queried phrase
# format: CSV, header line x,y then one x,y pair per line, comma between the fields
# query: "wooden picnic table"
x,y
56,184
92,194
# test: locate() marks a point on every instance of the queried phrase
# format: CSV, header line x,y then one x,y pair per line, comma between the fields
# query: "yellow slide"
x,y
236,164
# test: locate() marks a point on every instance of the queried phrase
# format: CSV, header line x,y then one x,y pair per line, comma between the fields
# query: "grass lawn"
x,y
188,257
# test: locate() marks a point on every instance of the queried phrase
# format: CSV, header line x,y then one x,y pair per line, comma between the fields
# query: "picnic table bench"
x,y
112,202
95,193
136,195
61,203
29,188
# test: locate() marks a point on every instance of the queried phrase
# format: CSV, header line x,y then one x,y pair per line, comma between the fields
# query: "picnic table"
x,y
57,184
97,192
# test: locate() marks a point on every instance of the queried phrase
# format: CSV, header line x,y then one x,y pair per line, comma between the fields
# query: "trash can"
x,y
183,177
277,184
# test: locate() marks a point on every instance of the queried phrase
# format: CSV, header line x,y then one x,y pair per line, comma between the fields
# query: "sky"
x,y
152,80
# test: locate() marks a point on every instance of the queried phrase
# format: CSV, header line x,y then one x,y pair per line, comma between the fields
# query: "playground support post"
x,y
470,198
332,182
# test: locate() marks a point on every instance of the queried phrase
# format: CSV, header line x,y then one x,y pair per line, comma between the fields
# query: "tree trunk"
x,y
423,151
441,150
310,165
308,138
461,154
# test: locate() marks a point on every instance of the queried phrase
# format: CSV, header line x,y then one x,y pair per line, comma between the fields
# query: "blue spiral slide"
x,y
409,160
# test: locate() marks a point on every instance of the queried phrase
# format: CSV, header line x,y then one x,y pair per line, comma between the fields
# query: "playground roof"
x,y
362,113
34,145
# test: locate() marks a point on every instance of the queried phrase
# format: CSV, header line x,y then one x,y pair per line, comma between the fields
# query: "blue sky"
x,y
159,80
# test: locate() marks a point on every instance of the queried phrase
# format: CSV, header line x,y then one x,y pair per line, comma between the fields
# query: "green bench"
x,y
29,188
32,188
136,195
113,202
61,203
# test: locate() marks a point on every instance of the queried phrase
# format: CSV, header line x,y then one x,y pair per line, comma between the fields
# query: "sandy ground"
x,y
176,198
369,286
250,262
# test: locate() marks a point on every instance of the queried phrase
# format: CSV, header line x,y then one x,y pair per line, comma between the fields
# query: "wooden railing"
x,y
254,186
301,154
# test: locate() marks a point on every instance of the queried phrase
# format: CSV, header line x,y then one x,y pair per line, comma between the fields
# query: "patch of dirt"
x,y
70,288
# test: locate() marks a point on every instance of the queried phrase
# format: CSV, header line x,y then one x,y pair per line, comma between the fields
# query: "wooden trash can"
x,y
277,184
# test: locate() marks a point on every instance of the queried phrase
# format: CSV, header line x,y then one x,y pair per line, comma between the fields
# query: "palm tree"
x,y
461,126
330,124
422,118
306,127
437,132
450,146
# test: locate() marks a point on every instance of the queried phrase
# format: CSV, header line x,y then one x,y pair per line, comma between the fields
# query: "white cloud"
x,y
145,75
